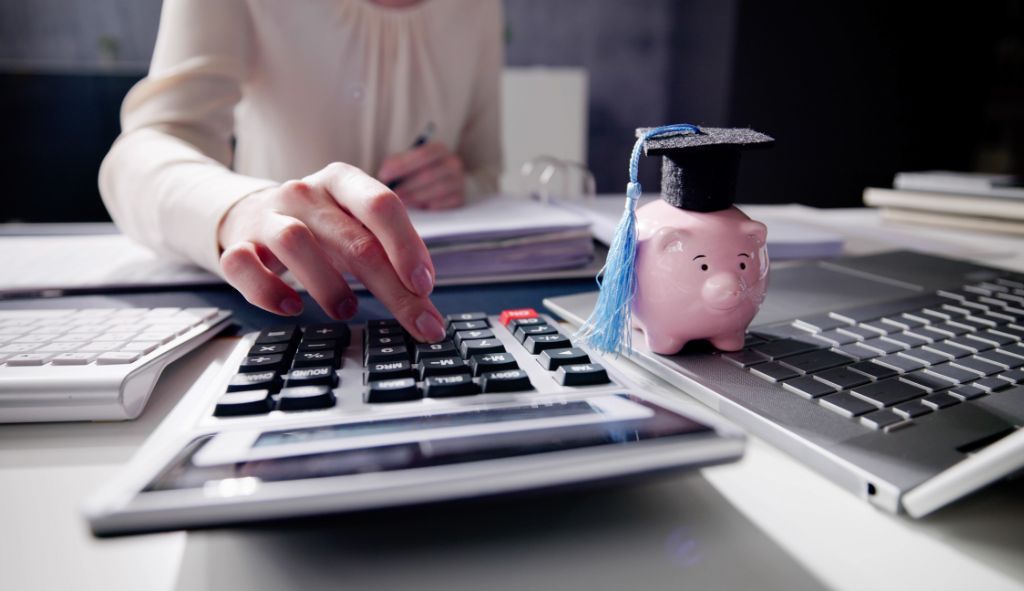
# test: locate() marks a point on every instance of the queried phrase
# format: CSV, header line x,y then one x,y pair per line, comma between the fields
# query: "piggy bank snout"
x,y
723,291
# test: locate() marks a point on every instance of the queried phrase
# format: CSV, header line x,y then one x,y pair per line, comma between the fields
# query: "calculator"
x,y
334,418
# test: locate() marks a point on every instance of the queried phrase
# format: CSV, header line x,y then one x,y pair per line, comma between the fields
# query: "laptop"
x,y
898,375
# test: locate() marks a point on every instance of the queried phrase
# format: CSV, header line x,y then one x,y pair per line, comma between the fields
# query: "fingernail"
x,y
347,309
422,280
291,306
430,327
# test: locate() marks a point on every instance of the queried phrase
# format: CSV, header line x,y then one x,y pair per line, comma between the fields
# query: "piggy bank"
x,y
699,276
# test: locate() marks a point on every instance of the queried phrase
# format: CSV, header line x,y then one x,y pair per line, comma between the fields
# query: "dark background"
x,y
853,92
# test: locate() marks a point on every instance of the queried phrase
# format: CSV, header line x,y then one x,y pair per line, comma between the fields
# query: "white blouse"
x,y
298,84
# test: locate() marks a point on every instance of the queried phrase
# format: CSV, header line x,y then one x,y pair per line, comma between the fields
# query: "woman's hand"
x,y
427,177
334,221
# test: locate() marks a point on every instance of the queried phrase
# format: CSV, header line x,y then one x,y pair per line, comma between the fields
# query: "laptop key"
x,y
912,409
873,370
773,372
992,337
979,366
900,363
842,378
901,322
858,332
888,392
819,322
947,350
882,420
815,361
783,348
925,356
1003,360
882,345
1014,376
846,404
906,339
856,351
967,392
991,384
940,400
927,381
746,358
808,387
835,338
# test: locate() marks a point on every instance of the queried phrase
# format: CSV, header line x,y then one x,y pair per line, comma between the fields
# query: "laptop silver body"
x,y
938,458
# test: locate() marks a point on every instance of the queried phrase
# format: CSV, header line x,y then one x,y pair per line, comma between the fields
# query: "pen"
x,y
421,139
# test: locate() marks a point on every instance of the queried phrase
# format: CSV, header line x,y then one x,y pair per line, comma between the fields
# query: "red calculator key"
x,y
510,315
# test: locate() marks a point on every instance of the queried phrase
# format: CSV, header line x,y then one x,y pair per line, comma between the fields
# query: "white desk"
x,y
766,522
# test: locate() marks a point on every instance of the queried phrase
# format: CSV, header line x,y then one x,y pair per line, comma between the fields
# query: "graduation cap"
x,y
698,173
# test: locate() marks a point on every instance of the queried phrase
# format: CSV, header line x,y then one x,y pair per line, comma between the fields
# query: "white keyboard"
x,y
92,364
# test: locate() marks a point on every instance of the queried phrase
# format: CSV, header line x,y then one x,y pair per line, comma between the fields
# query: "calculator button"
x,y
335,332
392,391
537,344
382,323
249,402
584,374
518,323
489,362
262,363
445,386
509,315
537,329
472,335
385,341
469,325
305,398
466,317
312,376
259,380
552,359
279,334
479,347
316,345
269,349
435,350
442,366
314,358
381,354
389,370
509,380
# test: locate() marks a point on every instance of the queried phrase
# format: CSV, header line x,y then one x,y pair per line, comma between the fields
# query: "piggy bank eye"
x,y
743,266
703,267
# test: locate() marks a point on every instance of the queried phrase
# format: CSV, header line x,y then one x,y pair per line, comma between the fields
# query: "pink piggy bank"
x,y
699,276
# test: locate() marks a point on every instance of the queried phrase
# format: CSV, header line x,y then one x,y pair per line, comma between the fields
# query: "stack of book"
x,y
972,201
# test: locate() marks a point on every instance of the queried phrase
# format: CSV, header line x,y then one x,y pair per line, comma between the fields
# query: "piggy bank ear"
x,y
757,230
670,239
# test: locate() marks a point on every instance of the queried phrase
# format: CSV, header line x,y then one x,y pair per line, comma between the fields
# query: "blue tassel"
x,y
610,326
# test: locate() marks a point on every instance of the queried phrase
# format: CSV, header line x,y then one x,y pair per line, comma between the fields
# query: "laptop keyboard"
x,y
887,365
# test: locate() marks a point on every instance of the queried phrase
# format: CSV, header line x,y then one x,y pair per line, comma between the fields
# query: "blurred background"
x,y
854,92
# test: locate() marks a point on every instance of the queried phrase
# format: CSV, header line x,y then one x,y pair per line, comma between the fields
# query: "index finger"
x,y
382,212
402,165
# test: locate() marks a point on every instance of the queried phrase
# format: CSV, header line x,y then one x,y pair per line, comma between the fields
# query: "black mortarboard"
x,y
699,169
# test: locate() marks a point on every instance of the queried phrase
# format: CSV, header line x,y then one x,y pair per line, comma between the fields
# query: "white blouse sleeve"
x,y
480,141
167,180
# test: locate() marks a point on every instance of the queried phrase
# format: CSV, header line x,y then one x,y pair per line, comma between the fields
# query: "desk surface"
x,y
765,522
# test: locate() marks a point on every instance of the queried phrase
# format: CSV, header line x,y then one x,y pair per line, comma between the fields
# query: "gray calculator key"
x,y
382,354
466,317
389,370
435,350
260,380
489,362
311,376
846,404
472,335
523,332
455,327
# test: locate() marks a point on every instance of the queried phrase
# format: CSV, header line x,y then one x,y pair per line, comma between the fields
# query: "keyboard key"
x,y
815,361
991,384
900,363
743,358
97,346
835,338
263,363
584,374
509,380
552,359
384,354
808,387
856,351
446,386
949,329
455,327
444,366
389,370
952,373
115,358
842,378
278,334
947,350
311,376
858,332
967,392
846,404
906,339
392,391
888,392
489,362
472,335
1012,331
819,322
481,346
537,329
73,358
902,322
873,370
992,337
927,381
508,316
1003,360
537,344
337,332
435,350
773,372
882,419
882,345
466,317
940,400
924,356
912,409
979,366
257,380
248,402
305,398
783,348
27,359
269,349
1014,376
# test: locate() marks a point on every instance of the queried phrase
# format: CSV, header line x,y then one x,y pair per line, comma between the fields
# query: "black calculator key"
x,y
509,380
466,317
389,370
269,349
381,354
311,376
489,362
392,391
469,325
248,402
518,323
387,331
376,323
435,350
445,386
257,380
552,359
305,345
305,398
537,344
442,366
527,331
583,374
479,347
375,341
262,363
278,334
314,358
472,335
331,332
